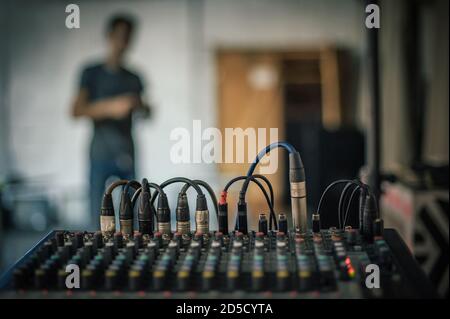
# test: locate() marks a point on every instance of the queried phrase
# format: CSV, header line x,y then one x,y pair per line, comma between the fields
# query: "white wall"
x,y
174,51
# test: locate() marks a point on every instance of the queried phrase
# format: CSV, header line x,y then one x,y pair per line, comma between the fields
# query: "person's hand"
x,y
121,106
143,111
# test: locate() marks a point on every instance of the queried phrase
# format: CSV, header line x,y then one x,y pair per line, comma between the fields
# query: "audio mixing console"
x,y
157,261
329,264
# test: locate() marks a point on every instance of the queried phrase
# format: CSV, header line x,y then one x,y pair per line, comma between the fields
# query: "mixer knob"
x,y
198,237
78,240
68,249
352,236
281,236
239,236
195,250
173,250
88,250
178,238
232,279
219,237
109,252
59,237
77,260
98,240
152,251
50,269
61,279
138,240
183,279
130,252
87,278
305,280
208,279
118,240
159,279
257,273
282,280
158,240
40,278
135,278
258,280
112,278
48,247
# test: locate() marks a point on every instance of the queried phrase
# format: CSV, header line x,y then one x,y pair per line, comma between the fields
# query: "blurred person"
x,y
109,94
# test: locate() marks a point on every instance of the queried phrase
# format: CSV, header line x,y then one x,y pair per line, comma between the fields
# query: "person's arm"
x,y
143,109
110,108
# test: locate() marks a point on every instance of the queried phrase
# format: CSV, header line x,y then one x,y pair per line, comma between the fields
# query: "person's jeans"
x,y
100,172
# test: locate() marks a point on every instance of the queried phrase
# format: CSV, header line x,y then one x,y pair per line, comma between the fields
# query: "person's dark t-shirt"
x,y
112,138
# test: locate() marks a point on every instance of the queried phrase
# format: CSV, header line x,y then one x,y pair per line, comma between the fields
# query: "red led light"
x,y
351,272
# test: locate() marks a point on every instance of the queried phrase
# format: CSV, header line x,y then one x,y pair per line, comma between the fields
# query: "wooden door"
x,y
250,92
249,96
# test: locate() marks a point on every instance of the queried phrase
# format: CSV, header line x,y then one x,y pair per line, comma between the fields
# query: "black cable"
x,y
244,191
138,191
107,213
133,184
358,186
265,179
208,189
349,204
371,194
269,203
340,181
343,198
113,185
178,180
269,185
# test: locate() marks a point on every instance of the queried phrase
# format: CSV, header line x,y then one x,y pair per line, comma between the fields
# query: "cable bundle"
x,y
147,211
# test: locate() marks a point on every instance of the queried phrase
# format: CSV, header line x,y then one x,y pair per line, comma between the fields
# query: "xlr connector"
x,y
183,225
201,215
163,215
146,210
126,215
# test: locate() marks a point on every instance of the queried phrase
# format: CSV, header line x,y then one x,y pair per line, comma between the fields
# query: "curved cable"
x,y
349,204
340,181
208,189
261,154
178,180
266,150
133,184
272,218
341,201
265,179
343,198
113,185
138,191
266,196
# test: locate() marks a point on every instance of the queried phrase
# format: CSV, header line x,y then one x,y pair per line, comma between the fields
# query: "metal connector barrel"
x,y
298,206
202,221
